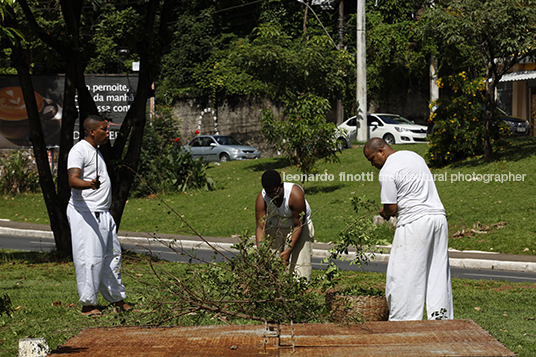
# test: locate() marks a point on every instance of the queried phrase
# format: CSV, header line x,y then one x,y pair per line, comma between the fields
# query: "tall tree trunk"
x,y
490,105
122,161
56,211
132,130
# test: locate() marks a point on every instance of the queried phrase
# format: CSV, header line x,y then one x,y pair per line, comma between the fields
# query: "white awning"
x,y
518,76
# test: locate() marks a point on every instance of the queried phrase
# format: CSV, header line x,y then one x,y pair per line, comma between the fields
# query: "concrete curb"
x,y
26,232
488,260
468,263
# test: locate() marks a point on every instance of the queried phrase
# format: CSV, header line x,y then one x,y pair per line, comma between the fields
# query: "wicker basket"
x,y
351,307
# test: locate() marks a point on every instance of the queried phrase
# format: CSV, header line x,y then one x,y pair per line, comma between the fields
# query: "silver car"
x,y
220,148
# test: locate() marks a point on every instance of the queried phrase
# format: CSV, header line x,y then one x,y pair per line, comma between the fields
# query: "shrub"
x,y
459,122
361,234
186,172
253,285
303,136
17,175
163,166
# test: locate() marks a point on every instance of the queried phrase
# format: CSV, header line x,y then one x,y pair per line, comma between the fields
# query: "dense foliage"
x,y
303,136
113,40
254,284
164,165
495,34
458,122
397,56
17,175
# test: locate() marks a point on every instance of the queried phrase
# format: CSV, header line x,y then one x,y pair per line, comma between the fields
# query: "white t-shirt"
x,y
407,181
83,156
282,216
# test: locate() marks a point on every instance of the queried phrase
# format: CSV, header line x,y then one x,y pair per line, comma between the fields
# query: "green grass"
x,y
44,302
230,208
43,293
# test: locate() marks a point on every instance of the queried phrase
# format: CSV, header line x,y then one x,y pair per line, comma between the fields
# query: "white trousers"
x,y
419,271
302,252
96,256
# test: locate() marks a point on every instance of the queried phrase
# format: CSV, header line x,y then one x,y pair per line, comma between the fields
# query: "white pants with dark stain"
x,y
300,258
96,256
419,272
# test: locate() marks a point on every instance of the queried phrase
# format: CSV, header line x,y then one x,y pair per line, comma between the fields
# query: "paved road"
x,y
466,265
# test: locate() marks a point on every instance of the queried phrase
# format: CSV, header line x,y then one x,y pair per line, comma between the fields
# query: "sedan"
x,y
518,126
392,128
220,148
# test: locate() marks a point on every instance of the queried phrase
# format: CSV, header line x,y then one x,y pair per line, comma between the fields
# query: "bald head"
x,y
92,122
96,130
377,151
374,144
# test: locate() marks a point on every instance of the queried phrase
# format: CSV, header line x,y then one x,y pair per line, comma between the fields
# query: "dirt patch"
x,y
509,287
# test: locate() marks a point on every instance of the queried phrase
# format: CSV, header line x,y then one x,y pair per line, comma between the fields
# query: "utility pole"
x,y
434,88
340,46
361,69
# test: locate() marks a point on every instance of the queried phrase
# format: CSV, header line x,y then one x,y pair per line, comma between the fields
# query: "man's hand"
x,y
388,210
286,255
76,182
95,183
383,215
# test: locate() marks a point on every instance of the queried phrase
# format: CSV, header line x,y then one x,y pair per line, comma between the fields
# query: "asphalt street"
x,y
466,264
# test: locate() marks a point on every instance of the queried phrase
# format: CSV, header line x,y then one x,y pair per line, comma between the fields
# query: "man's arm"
x,y
298,207
76,182
260,218
388,210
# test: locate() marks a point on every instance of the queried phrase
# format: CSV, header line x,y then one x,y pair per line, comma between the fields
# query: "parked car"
x,y
392,128
346,133
220,148
518,126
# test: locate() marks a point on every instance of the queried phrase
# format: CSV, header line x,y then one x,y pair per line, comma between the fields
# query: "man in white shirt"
x,y
418,269
96,248
284,216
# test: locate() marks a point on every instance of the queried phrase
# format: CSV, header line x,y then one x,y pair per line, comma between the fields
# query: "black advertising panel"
x,y
113,95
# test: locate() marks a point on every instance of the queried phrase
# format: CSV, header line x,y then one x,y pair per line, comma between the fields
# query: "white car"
x,y
390,127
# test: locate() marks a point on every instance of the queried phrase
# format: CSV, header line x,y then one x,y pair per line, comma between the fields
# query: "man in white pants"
x,y
96,249
284,216
418,269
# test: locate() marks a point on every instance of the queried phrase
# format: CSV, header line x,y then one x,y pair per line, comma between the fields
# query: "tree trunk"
x,y
124,165
56,211
490,105
150,49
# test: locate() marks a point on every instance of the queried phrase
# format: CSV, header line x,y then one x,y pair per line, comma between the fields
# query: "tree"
x,y
397,61
70,28
303,136
458,131
8,33
498,34
303,75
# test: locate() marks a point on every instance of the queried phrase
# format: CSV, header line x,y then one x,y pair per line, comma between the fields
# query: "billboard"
x,y
113,95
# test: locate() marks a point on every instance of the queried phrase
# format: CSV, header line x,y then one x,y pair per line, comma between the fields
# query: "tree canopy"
x,y
495,34
271,48
66,34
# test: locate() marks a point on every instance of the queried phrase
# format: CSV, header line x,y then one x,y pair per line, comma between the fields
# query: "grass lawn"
x,y
43,302
502,210
43,293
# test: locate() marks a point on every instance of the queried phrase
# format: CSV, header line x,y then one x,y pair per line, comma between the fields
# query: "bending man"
x,y
418,269
284,216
